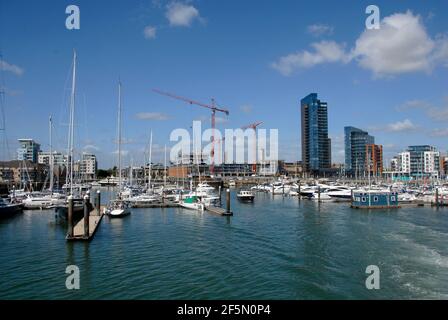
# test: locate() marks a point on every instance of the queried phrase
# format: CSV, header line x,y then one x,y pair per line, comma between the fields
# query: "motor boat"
x,y
245,196
8,209
192,203
204,187
118,209
340,193
43,201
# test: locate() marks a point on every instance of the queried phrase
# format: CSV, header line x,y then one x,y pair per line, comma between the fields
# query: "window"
x,y
375,199
357,199
363,199
392,198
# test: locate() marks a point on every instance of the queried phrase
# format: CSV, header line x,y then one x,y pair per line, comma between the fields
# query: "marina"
x,y
274,248
159,152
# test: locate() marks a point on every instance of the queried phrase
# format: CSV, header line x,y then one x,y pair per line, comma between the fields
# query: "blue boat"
x,y
374,199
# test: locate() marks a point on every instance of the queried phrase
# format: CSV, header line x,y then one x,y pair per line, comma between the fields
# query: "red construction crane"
x,y
212,107
254,127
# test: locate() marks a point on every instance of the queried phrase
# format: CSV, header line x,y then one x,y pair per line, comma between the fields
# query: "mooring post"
x,y
86,215
219,194
98,202
228,200
272,190
351,196
437,197
70,216
299,196
283,189
318,193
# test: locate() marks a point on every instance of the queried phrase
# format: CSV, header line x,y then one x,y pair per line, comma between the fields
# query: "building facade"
x,y
59,159
422,161
374,159
356,142
316,146
88,166
28,150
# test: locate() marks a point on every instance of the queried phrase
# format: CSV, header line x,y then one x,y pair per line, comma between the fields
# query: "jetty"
x,y
86,228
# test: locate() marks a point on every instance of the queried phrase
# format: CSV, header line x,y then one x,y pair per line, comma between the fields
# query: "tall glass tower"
x,y
356,141
316,146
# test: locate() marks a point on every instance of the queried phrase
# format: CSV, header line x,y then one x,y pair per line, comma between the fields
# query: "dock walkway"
x,y
94,222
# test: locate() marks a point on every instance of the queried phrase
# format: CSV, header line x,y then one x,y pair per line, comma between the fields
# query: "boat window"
x,y
375,199
357,199
392,198
363,199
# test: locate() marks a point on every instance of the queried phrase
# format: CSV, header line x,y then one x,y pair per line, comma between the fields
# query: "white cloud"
x,y
436,113
439,132
400,126
91,147
150,32
401,45
5,66
152,116
324,52
318,30
181,15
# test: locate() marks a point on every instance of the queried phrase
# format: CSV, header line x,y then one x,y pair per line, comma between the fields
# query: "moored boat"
x,y
245,196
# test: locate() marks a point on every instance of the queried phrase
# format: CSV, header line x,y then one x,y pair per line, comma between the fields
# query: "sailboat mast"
x,y
72,122
150,160
164,170
119,135
51,157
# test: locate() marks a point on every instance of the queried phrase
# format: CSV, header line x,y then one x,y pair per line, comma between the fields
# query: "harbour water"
x,y
276,248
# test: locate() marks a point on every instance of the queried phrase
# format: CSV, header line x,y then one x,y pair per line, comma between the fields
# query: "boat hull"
x,y
10,210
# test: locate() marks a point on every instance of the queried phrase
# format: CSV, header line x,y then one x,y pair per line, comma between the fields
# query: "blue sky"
x,y
257,58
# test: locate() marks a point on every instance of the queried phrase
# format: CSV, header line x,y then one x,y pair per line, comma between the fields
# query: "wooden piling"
x,y
437,197
219,191
98,202
70,216
86,215
228,201
318,193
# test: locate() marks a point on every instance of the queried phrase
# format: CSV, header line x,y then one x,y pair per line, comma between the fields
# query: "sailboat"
x,y
78,209
118,207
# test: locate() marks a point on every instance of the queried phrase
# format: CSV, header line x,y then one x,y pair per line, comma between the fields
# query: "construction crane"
x,y
212,107
254,127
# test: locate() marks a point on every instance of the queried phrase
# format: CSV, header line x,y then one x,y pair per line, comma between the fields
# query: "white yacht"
x,y
245,196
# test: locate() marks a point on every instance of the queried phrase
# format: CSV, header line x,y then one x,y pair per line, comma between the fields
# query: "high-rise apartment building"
x,y
316,146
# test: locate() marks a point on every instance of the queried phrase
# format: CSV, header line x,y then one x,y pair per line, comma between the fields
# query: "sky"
x,y
256,58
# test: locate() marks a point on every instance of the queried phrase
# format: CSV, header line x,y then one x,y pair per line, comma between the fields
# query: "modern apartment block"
x,y
374,159
316,146
417,162
356,142
28,150
88,166
59,159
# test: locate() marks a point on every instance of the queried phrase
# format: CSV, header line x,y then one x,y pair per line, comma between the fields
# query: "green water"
x,y
273,249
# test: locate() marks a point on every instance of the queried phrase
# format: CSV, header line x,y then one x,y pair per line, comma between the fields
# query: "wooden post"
x,y
228,200
283,189
86,215
437,197
351,196
220,191
98,202
300,184
70,216
180,196
318,193
272,190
